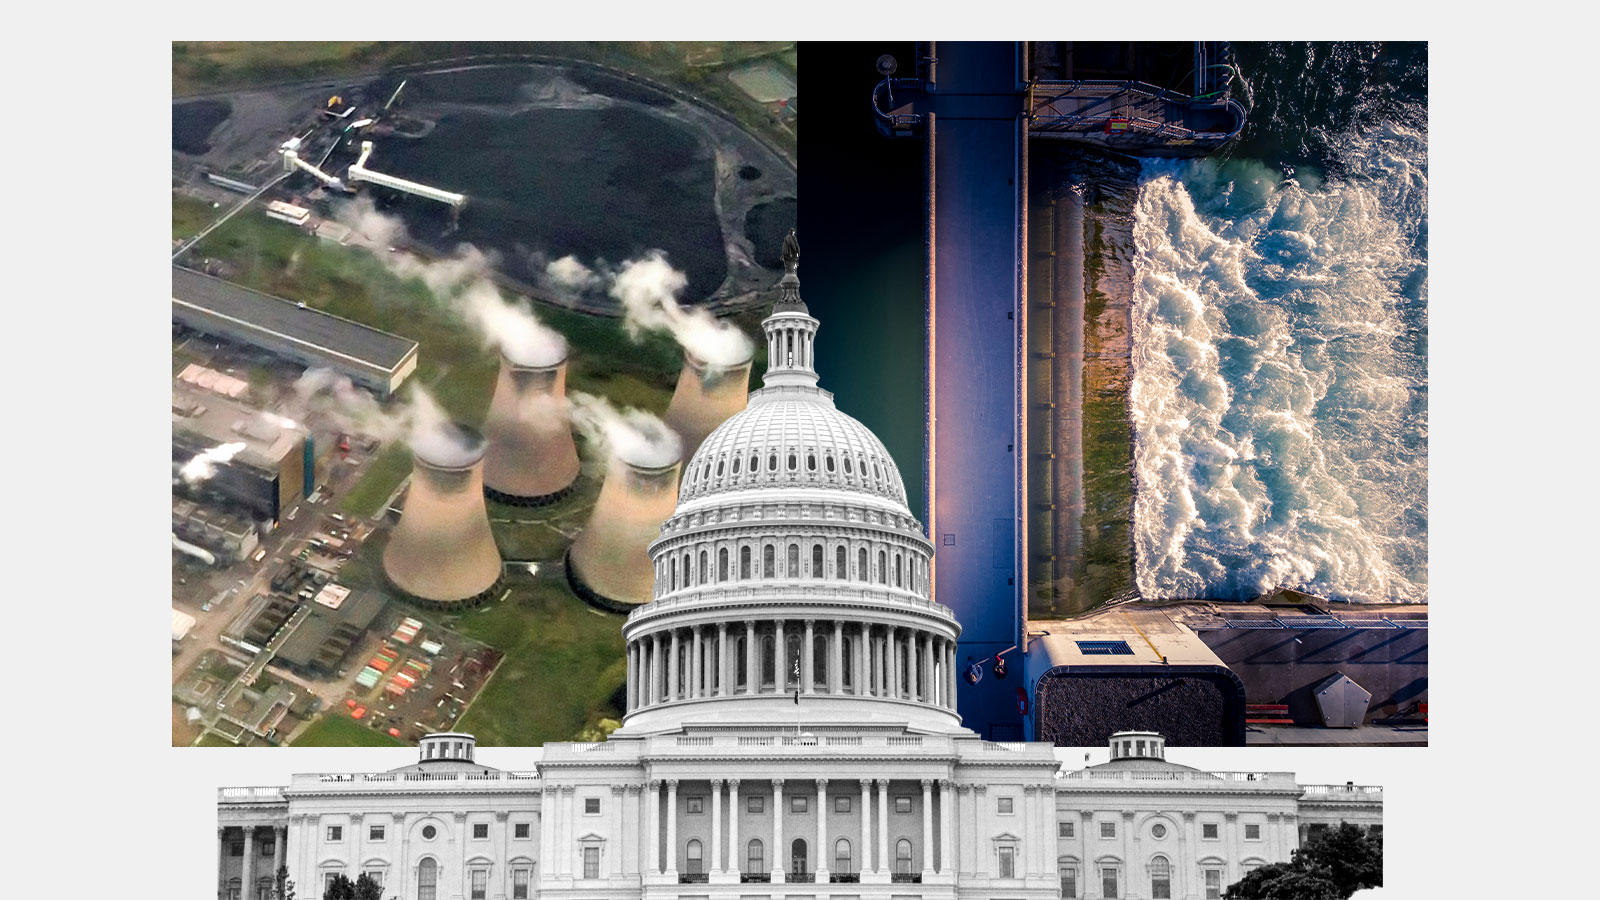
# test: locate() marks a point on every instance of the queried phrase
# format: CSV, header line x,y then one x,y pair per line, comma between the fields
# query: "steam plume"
x,y
648,287
204,464
630,435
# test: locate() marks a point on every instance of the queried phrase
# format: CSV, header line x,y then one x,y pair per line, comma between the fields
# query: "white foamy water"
x,y
1280,377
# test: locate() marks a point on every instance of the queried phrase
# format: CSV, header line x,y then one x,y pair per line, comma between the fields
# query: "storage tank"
x,y
532,458
706,396
442,552
609,564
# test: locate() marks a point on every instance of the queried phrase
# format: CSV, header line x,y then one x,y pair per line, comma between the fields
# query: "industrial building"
x,y
532,459
374,359
321,641
442,552
228,538
704,398
277,465
791,730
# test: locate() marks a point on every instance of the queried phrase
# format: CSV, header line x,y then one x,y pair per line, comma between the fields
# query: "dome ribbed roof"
x,y
792,439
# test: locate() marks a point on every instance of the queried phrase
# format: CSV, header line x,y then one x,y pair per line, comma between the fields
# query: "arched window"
x,y
883,567
847,665
719,468
816,561
772,462
791,644
811,462
819,660
767,556
1160,879
794,462
744,563
703,574
794,562
902,856
861,564
722,564
688,579
767,661
847,468
828,463
788,345
899,567
755,856
692,861
841,856
797,856
427,880
674,573
840,569
736,465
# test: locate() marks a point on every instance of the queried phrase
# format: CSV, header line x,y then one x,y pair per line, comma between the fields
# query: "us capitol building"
x,y
791,730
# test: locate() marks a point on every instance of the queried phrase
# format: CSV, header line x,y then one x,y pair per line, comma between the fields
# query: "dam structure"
x,y
977,107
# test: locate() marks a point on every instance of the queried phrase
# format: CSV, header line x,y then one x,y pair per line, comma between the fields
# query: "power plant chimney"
x,y
532,459
442,551
609,564
706,396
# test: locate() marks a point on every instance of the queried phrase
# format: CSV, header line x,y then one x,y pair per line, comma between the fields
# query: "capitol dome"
x,y
791,581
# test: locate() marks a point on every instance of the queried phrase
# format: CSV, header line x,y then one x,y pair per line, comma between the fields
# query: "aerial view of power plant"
x,y
1142,327
447,320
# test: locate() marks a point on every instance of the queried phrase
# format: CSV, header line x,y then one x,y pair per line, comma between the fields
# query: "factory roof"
x,y
313,329
328,632
1122,636
215,419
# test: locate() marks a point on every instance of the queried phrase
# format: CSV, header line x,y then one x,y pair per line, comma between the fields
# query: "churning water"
x,y
1280,342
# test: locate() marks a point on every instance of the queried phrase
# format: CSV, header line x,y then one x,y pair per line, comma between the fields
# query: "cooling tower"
x,y
706,397
442,552
532,459
608,565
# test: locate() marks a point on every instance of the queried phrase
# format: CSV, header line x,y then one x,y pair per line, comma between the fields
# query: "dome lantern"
x,y
791,331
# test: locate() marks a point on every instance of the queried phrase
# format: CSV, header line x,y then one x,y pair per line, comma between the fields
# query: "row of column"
x,y
700,661
726,854
247,872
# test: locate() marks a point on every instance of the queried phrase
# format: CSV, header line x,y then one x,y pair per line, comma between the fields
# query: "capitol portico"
x,y
791,730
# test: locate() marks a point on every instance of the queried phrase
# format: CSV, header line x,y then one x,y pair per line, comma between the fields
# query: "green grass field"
x,y
337,729
563,662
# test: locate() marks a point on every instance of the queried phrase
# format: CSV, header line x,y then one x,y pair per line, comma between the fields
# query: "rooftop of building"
x,y
286,318
1120,636
214,419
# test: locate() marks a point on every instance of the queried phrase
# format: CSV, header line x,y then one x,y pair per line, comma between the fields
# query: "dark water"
x,y
765,225
604,181
193,122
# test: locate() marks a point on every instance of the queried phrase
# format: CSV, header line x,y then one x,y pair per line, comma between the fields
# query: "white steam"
x,y
204,464
511,327
631,435
648,287
567,272
463,283
421,422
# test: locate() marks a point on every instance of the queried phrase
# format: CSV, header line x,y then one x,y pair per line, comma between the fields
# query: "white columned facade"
x,y
883,823
716,825
247,888
867,856
808,670
653,821
752,666
734,863
672,668
836,659
892,660
1231,864
777,830
724,676
672,826
946,824
780,661
822,852
927,827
